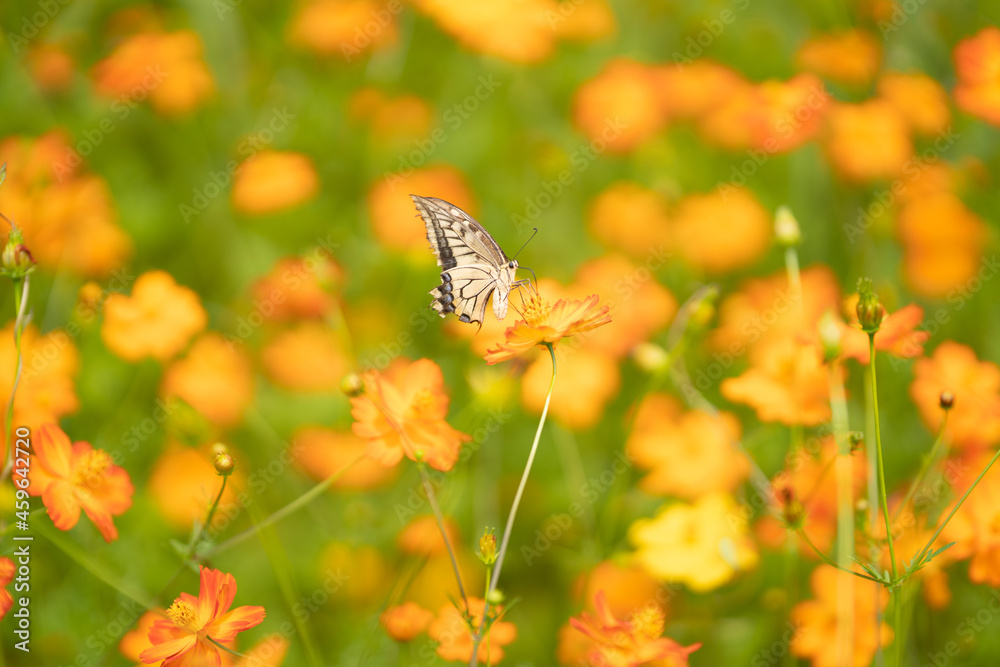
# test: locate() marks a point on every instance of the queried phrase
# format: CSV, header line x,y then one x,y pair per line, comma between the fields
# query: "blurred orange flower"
x,y
390,206
157,320
349,28
977,65
166,67
633,642
74,476
787,382
7,572
898,334
455,637
403,411
626,586
702,545
851,57
422,537
193,624
688,453
976,525
68,217
46,390
322,452
816,620
434,584
868,141
395,119
786,114
588,379
584,22
215,378
273,181
630,217
183,484
619,108
297,287
405,622
51,66
519,31
722,231
692,91
306,357
545,324
974,421
919,98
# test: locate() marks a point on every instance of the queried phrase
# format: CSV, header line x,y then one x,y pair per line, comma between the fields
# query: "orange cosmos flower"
x,y
7,572
868,141
587,22
403,411
547,325
322,452
620,107
816,620
184,483
454,636
273,181
405,622
633,642
692,91
307,358
74,476
977,64
974,421
51,67
898,334
215,378
297,287
976,525
348,28
687,453
630,217
183,638
787,382
851,57
168,67
395,120
625,584
157,320
50,363
588,379
720,232
786,114
921,100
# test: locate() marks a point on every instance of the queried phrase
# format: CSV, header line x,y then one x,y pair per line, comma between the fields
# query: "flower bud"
x,y
495,597
16,259
650,357
224,464
786,227
870,311
947,400
488,547
352,385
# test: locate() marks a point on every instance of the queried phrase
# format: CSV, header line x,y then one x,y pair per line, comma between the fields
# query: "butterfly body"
x,y
474,267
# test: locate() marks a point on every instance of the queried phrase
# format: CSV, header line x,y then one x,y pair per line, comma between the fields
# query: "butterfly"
x,y
473,264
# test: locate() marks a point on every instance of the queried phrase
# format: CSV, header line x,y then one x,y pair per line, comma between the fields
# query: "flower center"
x,y
423,400
92,468
536,310
648,622
181,614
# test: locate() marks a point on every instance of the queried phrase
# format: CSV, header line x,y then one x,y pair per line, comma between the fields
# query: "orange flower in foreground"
x,y
168,67
898,334
157,320
787,382
273,181
405,622
183,638
817,620
719,232
851,57
403,411
215,378
547,325
455,638
974,421
619,108
977,64
322,452
868,141
633,642
342,27
7,572
74,476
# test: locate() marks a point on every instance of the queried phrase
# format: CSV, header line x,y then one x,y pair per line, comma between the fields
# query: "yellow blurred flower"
x,y
977,64
582,21
521,31
184,483
215,378
166,67
305,357
851,57
157,320
348,28
391,209
273,181
620,107
868,141
687,453
361,571
919,98
631,218
321,452
68,217
722,231
46,391
703,545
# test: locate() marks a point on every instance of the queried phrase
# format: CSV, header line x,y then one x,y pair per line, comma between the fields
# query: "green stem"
x,y
845,512
878,454
432,499
20,301
478,637
924,468
829,561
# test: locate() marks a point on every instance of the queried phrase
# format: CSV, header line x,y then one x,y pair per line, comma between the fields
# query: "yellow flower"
x,y
702,545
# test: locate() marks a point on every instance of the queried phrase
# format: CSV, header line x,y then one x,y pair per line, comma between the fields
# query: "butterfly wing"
x,y
474,266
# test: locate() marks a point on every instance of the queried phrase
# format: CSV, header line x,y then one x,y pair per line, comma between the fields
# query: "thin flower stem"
x,y
878,454
432,499
208,519
478,637
794,277
845,512
924,468
829,561
20,303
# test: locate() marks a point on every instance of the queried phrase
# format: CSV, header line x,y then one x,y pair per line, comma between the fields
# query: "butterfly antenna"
x,y
521,282
526,243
